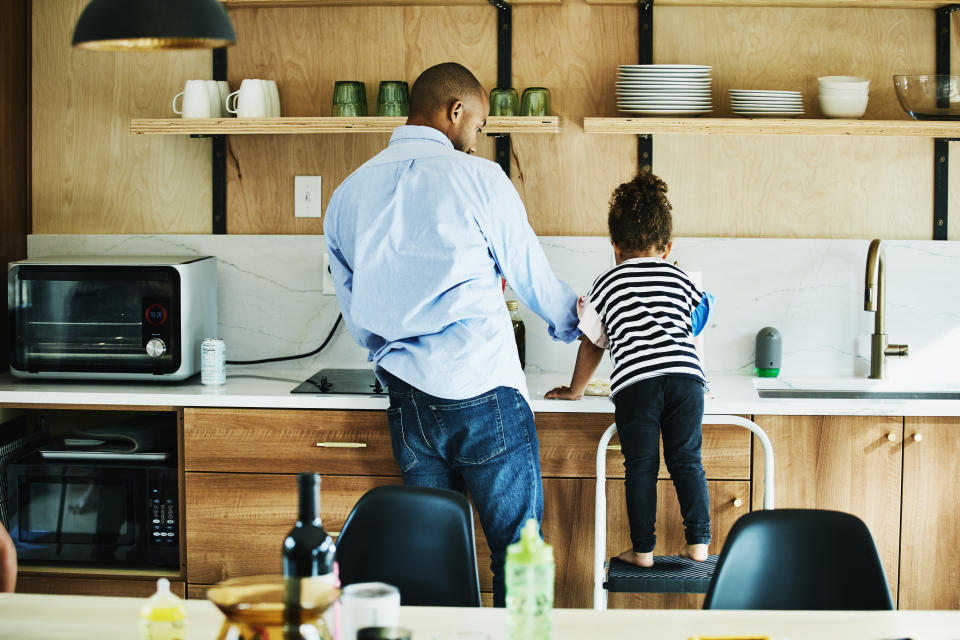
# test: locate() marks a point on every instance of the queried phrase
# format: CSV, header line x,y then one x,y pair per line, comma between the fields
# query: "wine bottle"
x,y
307,551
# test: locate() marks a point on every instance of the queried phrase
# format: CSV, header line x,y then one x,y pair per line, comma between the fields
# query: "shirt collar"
x,y
409,132
645,259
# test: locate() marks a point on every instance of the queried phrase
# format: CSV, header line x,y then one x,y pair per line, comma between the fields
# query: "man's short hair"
x,y
440,85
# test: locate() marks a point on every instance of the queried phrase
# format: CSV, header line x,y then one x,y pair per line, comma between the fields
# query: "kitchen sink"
x,y
856,388
832,394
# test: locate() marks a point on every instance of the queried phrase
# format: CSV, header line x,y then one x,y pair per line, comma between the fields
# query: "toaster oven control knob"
x,y
155,347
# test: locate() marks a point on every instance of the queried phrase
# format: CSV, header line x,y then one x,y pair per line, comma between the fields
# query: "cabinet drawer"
x,y
93,586
288,441
236,522
568,448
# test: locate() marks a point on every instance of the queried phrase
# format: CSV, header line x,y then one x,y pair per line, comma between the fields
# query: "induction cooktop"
x,y
342,382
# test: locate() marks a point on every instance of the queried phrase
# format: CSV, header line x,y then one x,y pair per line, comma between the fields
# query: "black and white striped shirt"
x,y
646,306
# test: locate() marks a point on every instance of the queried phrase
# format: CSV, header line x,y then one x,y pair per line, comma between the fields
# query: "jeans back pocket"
x,y
472,429
402,452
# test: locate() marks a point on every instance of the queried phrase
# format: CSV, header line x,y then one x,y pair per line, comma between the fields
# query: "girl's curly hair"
x,y
640,214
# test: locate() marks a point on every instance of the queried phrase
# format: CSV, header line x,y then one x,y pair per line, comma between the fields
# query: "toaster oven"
x,y
119,317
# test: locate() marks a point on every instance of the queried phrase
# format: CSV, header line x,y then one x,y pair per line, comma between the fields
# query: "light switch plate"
x,y
327,278
307,196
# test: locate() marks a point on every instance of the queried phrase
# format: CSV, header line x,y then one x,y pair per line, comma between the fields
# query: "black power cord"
x,y
302,355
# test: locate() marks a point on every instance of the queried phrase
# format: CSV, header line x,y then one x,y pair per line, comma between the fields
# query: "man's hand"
x,y
562,393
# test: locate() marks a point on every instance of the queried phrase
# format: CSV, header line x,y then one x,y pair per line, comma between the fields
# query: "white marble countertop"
x,y
729,394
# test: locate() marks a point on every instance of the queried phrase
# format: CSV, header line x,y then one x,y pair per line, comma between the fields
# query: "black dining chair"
x,y
804,559
416,538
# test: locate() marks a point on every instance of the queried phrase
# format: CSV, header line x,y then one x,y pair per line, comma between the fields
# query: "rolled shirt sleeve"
x,y
701,315
521,260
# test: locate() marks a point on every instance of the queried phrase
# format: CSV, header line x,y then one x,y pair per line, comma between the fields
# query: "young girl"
x,y
647,312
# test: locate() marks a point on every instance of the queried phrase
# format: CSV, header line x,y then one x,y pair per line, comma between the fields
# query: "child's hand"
x,y
562,393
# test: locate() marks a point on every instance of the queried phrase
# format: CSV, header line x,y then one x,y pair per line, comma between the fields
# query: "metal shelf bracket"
x,y
941,146
645,56
219,156
504,72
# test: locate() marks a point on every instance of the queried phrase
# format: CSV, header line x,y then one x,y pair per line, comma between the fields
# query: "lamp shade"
x,y
135,25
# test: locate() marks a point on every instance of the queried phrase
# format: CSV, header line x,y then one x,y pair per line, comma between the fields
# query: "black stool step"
x,y
669,574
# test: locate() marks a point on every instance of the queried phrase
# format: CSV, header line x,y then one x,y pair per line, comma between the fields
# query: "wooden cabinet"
x,y
844,463
94,586
288,441
930,532
236,522
241,491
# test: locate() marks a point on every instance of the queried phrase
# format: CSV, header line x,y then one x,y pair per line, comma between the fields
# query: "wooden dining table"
x,y
55,617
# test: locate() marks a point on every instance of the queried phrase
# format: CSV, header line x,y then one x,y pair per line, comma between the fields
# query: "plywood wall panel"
x,y
747,186
89,174
319,46
565,180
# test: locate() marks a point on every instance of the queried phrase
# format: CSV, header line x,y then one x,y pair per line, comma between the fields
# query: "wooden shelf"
x,y
803,4
280,126
774,126
267,4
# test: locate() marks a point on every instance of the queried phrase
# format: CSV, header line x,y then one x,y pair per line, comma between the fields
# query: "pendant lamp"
x,y
140,25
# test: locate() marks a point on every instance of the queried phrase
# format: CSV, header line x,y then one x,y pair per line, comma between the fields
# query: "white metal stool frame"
x,y
600,510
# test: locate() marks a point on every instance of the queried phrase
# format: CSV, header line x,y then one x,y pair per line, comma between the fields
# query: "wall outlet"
x,y
307,196
327,278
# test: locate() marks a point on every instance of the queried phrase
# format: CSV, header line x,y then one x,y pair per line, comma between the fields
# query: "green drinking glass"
x,y
349,98
504,102
393,98
535,102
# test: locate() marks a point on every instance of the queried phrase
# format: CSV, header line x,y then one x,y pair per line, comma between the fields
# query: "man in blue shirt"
x,y
419,237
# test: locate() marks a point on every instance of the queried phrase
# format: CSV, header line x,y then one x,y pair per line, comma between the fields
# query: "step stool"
x,y
669,574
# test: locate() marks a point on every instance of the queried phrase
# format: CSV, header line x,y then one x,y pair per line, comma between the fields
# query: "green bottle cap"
x,y
530,548
768,373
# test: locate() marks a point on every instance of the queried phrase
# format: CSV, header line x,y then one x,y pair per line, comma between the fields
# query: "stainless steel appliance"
x,y
118,317
106,498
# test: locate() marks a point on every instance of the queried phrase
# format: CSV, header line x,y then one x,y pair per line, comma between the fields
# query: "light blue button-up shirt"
x,y
418,238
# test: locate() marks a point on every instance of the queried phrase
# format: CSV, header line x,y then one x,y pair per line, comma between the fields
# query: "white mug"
x,y
368,604
224,89
274,95
250,101
197,101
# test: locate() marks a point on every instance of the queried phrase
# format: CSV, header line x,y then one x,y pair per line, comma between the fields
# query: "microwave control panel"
x,y
164,528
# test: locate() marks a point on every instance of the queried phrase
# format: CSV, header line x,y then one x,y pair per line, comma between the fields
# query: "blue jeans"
x,y
671,406
486,445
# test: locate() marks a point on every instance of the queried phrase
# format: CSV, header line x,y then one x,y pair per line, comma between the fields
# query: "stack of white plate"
x,y
664,89
754,102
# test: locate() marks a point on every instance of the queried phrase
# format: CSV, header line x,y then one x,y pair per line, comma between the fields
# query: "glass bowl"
x,y
929,97
257,601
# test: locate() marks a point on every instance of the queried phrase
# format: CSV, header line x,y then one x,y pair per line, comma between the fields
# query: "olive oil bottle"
x,y
519,331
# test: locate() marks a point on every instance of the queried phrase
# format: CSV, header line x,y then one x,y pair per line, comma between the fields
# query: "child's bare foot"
x,y
696,552
639,559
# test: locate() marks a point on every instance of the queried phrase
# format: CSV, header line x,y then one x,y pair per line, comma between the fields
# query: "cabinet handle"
x,y
737,502
613,447
917,437
892,437
343,445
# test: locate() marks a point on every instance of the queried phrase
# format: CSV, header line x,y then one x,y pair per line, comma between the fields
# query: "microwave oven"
x,y
115,317
94,512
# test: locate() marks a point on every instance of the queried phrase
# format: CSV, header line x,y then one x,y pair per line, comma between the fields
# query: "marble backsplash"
x,y
272,303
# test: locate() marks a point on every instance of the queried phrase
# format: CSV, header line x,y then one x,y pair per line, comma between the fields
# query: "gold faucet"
x,y
875,300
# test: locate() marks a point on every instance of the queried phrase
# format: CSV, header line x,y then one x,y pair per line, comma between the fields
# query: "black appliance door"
x,y
95,514
95,318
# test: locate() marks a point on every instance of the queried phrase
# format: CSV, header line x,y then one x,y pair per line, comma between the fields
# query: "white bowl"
x,y
842,92
843,82
836,106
